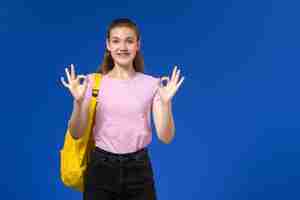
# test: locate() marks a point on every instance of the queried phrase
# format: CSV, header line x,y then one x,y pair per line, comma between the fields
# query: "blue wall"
x,y
237,113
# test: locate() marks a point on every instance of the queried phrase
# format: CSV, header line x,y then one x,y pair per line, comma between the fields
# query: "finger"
x,y
180,82
164,78
63,82
174,72
177,76
68,74
79,77
73,71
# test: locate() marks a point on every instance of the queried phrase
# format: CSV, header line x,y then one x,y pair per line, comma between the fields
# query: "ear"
x,y
139,45
107,45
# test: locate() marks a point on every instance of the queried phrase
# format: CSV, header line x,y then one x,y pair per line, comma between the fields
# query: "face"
x,y
123,45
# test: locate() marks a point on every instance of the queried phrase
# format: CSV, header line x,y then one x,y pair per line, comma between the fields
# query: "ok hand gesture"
x,y
77,90
167,92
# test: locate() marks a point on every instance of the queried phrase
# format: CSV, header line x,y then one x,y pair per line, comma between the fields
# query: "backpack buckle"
x,y
95,92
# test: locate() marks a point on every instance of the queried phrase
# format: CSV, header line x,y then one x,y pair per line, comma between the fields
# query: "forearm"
x,y
167,126
78,120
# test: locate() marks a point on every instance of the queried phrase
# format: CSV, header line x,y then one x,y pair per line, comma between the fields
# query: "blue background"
x,y
237,113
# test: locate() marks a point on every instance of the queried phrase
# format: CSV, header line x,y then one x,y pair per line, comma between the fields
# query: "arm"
x,y
163,121
78,120
79,117
162,106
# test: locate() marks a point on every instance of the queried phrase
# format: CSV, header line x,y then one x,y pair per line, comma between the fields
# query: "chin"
x,y
124,63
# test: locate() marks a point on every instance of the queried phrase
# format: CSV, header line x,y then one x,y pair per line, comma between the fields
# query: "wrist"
x,y
166,103
77,103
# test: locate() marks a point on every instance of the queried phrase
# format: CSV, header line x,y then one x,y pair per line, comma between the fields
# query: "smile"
x,y
123,54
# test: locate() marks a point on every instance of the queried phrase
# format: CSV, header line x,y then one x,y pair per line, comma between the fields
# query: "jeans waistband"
x,y
121,157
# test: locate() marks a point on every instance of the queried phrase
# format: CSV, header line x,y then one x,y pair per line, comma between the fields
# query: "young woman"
x,y
120,167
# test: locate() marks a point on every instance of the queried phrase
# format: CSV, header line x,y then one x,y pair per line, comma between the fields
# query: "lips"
x,y
123,54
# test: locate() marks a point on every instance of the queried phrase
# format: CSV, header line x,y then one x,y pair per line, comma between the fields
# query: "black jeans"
x,y
112,176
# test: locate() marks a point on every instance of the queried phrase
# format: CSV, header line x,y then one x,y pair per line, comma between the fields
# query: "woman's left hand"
x,y
169,90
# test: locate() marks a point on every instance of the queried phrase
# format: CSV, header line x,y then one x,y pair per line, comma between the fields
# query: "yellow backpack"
x,y
74,156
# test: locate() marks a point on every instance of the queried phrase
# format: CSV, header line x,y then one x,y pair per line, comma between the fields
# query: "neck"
x,y
122,72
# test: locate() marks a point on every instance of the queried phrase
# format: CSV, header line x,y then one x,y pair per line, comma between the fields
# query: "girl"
x,y
120,167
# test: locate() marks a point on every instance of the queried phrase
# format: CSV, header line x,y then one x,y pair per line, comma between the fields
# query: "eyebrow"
x,y
116,37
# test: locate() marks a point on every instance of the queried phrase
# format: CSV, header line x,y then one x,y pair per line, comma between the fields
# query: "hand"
x,y
77,90
167,92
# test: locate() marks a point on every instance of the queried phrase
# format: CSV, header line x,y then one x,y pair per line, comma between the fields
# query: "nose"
x,y
123,46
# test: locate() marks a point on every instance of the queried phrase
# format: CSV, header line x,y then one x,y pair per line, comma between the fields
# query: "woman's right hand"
x,y
77,90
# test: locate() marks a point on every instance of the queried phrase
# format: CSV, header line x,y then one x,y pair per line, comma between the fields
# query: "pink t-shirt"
x,y
123,115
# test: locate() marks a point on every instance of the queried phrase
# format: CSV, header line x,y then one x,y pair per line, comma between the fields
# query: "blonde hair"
x,y
107,62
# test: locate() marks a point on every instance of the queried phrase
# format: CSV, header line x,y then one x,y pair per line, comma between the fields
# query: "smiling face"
x,y
123,45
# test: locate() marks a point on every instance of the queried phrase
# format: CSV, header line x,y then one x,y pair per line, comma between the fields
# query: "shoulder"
x,y
151,82
149,79
90,77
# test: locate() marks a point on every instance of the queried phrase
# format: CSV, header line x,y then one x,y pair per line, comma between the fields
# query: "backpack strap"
x,y
97,78
92,110
95,91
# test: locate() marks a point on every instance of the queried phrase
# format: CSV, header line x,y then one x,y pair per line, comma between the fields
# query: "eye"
x,y
115,41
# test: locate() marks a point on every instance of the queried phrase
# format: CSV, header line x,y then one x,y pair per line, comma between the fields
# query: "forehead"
x,y
122,32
